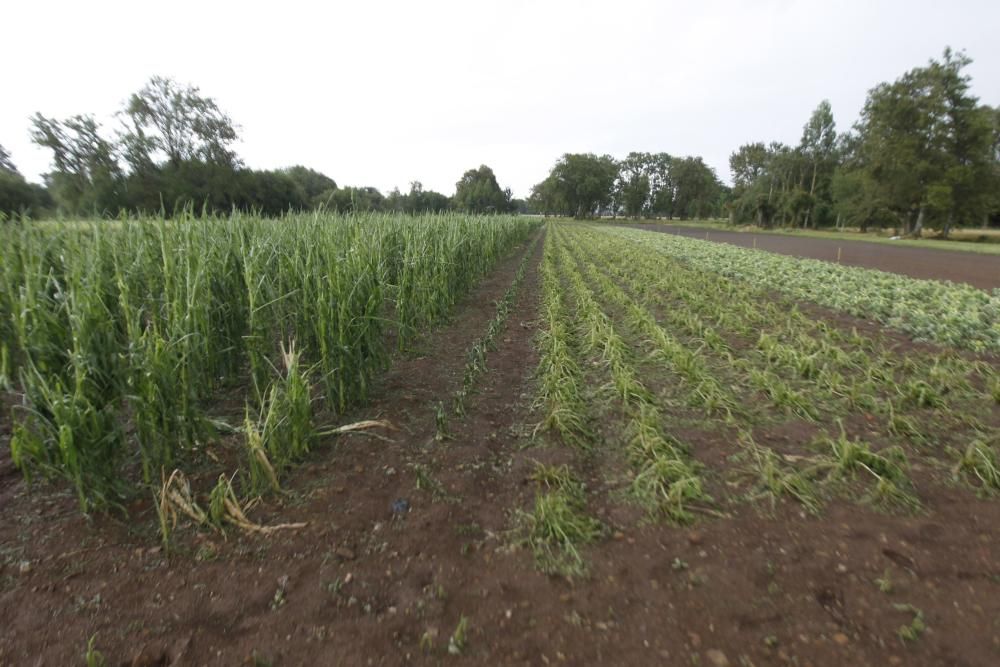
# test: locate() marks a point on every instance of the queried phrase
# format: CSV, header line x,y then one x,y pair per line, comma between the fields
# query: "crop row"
x,y
732,339
666,479
119,335
938,311
800,363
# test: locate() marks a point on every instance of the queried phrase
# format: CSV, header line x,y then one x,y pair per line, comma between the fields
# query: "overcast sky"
x,y
386,92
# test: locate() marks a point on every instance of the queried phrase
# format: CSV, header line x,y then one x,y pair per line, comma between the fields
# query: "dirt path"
x,y
981,271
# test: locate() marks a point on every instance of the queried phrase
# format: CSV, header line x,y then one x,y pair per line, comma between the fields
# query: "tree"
x,y
819,146
312,182
633,183
580,184
478,192
697,190
926,143
17,196
352,200
169,121
419,200
6,164
86,175
662,187
547,198
748,164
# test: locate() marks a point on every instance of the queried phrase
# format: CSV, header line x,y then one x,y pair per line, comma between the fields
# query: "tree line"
x,y
174,150
640,185
923,154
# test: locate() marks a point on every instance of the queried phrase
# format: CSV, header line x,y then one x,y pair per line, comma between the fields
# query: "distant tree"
x,y
581,184
479,192
697,190
351,200
6,164
273,192
819,146
86,175
633,185
312,182
547,198
661,185
927,145
176,123
520,206
425,201
748,164
18,196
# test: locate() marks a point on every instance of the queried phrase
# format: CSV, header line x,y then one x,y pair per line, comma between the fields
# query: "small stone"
x,y
24,567
619,535
401,506
895,660
345,553
717,657
841,568
348,578
840,638
695,538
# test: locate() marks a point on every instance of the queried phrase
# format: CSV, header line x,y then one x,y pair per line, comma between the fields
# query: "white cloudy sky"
x,y
381,92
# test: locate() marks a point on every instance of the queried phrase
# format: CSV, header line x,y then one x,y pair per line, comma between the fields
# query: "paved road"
x,y
981,271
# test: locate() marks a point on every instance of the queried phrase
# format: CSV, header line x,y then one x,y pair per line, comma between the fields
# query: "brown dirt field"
x,y
362,586
982,271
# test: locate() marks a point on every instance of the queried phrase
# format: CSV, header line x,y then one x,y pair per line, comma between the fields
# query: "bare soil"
x,y
363,584
982,271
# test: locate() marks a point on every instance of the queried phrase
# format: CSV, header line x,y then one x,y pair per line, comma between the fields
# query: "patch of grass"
x,y
558,525
458,639
774,479
916,628
892,486
979,466
884,582
667,486
92,657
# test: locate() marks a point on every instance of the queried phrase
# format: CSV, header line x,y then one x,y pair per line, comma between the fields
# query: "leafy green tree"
x,y
352,199
6,164
165,120
662,187
926,142
547,198
312,182
17,196
419,200
479,192
580,184
633,184
272,192
819,147
86,175
697,190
